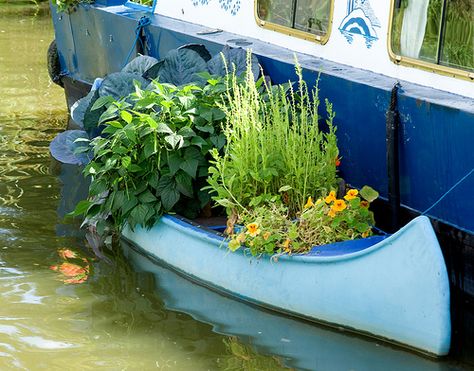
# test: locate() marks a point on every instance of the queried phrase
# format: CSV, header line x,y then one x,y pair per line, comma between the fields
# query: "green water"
x,y
120,317
112,321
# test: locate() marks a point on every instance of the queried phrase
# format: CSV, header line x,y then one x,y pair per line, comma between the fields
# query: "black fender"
x,y
54,66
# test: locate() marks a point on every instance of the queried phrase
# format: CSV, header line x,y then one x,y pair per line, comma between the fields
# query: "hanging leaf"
x,y
180,66
66,147
233,60
200,49
78,109
120,84
140,64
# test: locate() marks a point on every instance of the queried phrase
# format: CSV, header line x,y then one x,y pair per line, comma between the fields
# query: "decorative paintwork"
x,y
231,6
397,289
360,21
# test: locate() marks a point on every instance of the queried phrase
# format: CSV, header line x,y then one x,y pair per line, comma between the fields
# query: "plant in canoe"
x,y
153,158
280,155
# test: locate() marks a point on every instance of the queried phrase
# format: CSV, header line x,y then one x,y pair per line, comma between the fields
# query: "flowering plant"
x,y
269,229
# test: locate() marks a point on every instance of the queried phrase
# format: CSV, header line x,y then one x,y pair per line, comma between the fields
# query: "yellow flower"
x,y
331,197
365,234
364,204
266,235
286,245
351,194
309,203
332,213
338,205
318,201
253,230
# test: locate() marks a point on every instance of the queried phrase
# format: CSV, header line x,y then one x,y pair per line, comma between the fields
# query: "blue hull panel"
x,y
437,127
396,289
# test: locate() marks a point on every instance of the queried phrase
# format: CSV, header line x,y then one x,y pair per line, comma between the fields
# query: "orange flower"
x,y
338,162
253,230
365,234
364,204
332,213
266,235
309,203
331,197
338,205
351,194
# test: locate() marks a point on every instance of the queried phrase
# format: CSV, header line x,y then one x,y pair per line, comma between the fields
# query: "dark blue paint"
x,y
437,128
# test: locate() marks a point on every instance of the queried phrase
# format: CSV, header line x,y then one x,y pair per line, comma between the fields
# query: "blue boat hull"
x,y
396,289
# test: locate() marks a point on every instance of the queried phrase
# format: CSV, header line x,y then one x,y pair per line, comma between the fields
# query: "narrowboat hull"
x,y
396,289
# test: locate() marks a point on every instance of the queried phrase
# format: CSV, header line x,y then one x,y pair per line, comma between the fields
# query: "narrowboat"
x,y
401,77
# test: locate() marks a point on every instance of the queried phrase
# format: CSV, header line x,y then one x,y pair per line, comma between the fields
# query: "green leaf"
x,y
368,193
218,141
199,141
126,161
174,162
147,197
163,128
129,205
184,184
168,193
101,102
81,208
138,214
187,132
126,116
175,140
285,188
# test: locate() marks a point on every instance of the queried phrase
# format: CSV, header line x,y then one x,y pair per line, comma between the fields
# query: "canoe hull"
x,y
397,289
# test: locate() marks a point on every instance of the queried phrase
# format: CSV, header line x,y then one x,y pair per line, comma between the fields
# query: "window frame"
x,y
418,63
294,32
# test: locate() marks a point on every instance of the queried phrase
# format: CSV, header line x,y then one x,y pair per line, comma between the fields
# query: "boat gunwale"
x,y
206,234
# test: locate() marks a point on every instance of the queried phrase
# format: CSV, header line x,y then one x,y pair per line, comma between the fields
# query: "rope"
x,y
448,191
142,22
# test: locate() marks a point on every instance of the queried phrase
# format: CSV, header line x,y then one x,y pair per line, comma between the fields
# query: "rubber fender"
x,y
54,66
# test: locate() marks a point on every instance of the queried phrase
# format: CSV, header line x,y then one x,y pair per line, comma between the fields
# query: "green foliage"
x,y
274,146
154,157
67,5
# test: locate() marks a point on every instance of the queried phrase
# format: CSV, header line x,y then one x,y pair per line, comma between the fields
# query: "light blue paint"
x,y
396,289
301,345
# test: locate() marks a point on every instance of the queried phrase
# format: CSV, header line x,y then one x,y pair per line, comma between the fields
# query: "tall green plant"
x,y
274,146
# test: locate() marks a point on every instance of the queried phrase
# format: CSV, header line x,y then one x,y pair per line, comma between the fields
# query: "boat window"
x,y
434,31
303,16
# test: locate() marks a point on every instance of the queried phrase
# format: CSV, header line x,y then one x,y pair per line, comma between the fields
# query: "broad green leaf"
x,y
138,214
163,128
101,102
126,116
174,162
147,197
175,140
368,193
184,184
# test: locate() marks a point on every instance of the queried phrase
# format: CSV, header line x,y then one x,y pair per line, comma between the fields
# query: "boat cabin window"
x,y
437,32
310,19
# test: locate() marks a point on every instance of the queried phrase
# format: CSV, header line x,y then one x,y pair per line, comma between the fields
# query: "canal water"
x,y
128,313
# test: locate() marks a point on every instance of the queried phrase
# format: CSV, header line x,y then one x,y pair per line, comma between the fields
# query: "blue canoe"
x,y
395,288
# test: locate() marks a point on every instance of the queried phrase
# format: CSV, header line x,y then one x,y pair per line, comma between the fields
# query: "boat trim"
x,y
294,32
417,63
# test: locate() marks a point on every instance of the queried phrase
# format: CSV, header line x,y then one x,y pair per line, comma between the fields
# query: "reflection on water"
x,y
118,319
